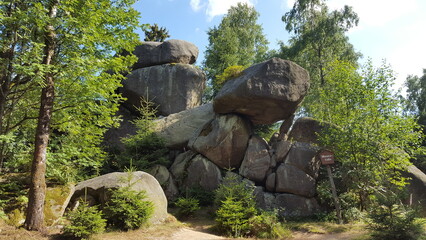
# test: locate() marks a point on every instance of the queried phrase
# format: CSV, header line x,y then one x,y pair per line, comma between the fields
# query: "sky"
x,y
390,30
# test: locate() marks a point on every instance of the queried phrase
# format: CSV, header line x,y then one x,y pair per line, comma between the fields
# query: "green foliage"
x,y
156,34
318,38
233,217
86,72
13,193
371,139
238,40
187,206
84,222
266,130
204,197
267,225
144,149
229,73
234,187
127,209
390,219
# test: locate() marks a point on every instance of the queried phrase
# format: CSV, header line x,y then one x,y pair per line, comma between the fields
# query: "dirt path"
x,y
191,234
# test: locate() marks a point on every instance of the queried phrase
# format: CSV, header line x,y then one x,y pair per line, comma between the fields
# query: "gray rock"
x,y
303,156
290,179
306,129
270,182
265,92
57,199
202,173
281,149
171,87
163,176
291,205
257,160
223,140
285,127
176,129
112,137
179,166
138,181
171,51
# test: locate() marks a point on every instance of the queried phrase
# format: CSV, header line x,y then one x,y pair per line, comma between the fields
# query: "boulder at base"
x,y
176,129
97,190
265,92
202,173
223,140
290,179
296,206
171,51
171,87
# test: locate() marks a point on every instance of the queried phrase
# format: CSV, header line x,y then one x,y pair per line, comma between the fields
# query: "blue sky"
x,y
393,30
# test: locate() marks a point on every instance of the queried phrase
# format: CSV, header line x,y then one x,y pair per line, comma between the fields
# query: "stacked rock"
x,y
164,75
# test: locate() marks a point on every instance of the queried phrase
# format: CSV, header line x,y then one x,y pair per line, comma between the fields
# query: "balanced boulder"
x,y
171,87
171,51
265,92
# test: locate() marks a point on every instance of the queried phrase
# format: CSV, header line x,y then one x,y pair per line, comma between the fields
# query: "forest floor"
x,y
198,227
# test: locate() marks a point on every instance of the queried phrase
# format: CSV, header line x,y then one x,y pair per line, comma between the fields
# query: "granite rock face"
x,y
223,140
171,87
257,160
176,129
170,51
265,92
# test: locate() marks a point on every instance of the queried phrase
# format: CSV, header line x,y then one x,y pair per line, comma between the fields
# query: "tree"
x,y
238,40
60,51
156,34
416,106
318,38
371,138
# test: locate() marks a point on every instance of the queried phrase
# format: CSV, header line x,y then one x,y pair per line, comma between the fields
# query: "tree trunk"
x,y
35,215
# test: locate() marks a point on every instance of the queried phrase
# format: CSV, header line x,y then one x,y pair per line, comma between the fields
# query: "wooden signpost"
x,y
327,158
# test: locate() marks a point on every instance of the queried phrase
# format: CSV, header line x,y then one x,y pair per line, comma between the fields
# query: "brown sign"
x,y
326,157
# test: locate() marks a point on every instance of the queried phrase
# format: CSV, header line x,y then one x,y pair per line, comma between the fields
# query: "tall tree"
x,y
371,138
238,40
156,34
61,51
318,37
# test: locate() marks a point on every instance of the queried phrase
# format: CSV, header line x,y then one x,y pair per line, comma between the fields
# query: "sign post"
x,y
327,158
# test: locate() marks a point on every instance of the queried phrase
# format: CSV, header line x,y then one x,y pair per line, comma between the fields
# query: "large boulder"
x,y
96,189
202,173
176,129
290,179
306,129
178,168
304,157
113,137
223,140
171,51
296,206
171,87
280,150
57,199
257,160
265,92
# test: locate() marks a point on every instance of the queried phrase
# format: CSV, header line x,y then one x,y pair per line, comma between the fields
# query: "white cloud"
x,y
376,13
195,5
216,7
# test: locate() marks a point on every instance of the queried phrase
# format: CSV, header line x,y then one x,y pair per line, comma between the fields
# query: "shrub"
x,y
267,225
233,186
233,217
127,209
84,222
204,197
187,206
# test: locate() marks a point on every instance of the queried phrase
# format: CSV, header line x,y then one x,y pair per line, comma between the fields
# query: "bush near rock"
x,y
97,189
265,92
